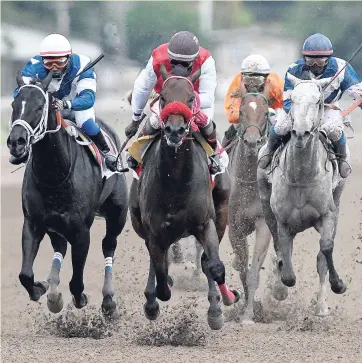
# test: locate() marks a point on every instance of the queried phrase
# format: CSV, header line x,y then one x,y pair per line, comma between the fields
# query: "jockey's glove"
x,y
62,104
132,129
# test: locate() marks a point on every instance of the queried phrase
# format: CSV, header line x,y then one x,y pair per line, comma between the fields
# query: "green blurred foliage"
x,y
152,23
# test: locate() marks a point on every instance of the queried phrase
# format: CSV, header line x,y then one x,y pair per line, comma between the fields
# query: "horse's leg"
x,y
177,252
220,195
285,245
151,307
329,223
239,243
262,239
115,211
214,269
159,256
80,246
31,237
199,251
54,297
280,291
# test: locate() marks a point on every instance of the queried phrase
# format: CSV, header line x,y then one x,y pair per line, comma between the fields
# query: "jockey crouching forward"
x,y
183,51
318,63
76,97
256,76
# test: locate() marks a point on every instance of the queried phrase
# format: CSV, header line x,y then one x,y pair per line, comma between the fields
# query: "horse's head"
x,y
28,121
307,108
254,116
176,102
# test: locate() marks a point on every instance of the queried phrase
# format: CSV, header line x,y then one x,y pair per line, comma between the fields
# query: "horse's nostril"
x,y
21,141
181,131
168,129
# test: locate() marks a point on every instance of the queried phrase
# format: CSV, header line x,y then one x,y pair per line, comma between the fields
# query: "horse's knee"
x,y
326,246
217,272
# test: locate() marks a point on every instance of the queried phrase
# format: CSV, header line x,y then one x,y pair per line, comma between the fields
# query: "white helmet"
x,y
55,45
255,63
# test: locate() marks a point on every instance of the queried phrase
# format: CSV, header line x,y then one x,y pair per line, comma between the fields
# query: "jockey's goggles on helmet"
x,y
254,80
184,64
319,61
60,63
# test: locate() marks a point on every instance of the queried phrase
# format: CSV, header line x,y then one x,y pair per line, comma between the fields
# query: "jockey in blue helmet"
x,y
317,63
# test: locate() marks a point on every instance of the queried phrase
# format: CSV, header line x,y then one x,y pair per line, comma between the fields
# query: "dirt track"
x,y
289,332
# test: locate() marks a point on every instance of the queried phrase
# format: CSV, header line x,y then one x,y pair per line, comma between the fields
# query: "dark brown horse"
x,y
173,199
245,210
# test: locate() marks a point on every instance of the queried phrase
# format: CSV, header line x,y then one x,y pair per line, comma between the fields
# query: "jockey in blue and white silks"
x,y
318,63
77,95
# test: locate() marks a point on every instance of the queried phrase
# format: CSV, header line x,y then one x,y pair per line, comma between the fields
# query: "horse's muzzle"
x,y
300,138
17,146
175,135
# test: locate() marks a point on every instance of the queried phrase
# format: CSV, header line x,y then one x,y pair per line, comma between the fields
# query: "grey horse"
x,y
245,210
302,189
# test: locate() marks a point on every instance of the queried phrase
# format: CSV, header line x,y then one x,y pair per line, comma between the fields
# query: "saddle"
x,y
67,121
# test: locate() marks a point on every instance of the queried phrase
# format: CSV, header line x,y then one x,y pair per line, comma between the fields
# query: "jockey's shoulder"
x,y
297,65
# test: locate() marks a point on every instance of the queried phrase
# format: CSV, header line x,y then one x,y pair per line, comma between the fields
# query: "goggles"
x,y
320,61
60,63
181,63
256,81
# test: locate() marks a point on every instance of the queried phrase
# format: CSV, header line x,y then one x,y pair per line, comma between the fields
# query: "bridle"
x,y
41,129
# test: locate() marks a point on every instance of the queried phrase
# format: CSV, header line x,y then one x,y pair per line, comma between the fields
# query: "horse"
x,y
173,199
62,192
245,210
304,189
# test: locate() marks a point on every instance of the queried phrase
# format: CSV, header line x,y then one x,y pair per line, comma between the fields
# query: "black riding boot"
x,y
100,141
209,133
147,130
274,141
341,154
229,136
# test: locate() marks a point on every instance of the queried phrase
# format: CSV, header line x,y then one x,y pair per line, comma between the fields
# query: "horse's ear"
x,y
195,76
46,81
323,82
267,90
19,79
243,90
163,71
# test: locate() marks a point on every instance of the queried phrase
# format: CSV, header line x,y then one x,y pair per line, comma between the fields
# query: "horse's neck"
x,y
245,160
51,155
176,166
304,165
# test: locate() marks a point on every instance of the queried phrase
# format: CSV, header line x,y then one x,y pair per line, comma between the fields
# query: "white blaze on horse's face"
x,y
253,105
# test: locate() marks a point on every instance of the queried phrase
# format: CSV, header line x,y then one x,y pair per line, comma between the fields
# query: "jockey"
x,y
77,96
317,63
182,51
256,76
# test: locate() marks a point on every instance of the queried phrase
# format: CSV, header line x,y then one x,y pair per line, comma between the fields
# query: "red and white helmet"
x,y
255,63
55,45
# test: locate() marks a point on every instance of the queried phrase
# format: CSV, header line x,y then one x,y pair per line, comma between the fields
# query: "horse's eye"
x,y
192,99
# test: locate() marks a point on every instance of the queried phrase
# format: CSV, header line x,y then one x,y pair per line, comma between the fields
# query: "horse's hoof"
x,y
40,288
151,311
215,322
247,321
339,287
55,302
321,311
237,296
288,279
280,293
83,301
108,305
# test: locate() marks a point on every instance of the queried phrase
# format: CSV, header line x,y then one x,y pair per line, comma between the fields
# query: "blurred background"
x,y
127,31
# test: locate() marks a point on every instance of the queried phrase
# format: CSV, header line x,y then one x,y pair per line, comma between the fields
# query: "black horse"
x,y
173,199
63,189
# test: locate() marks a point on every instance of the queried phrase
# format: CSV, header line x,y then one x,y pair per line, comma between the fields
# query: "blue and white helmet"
x,y
317,45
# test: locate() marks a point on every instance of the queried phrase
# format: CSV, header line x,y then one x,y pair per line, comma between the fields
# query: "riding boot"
x,y
341,154
274,141
100,141
209,133
18,160
146,131
229,136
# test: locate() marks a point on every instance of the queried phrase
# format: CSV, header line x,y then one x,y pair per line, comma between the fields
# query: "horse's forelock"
x,y
311,92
